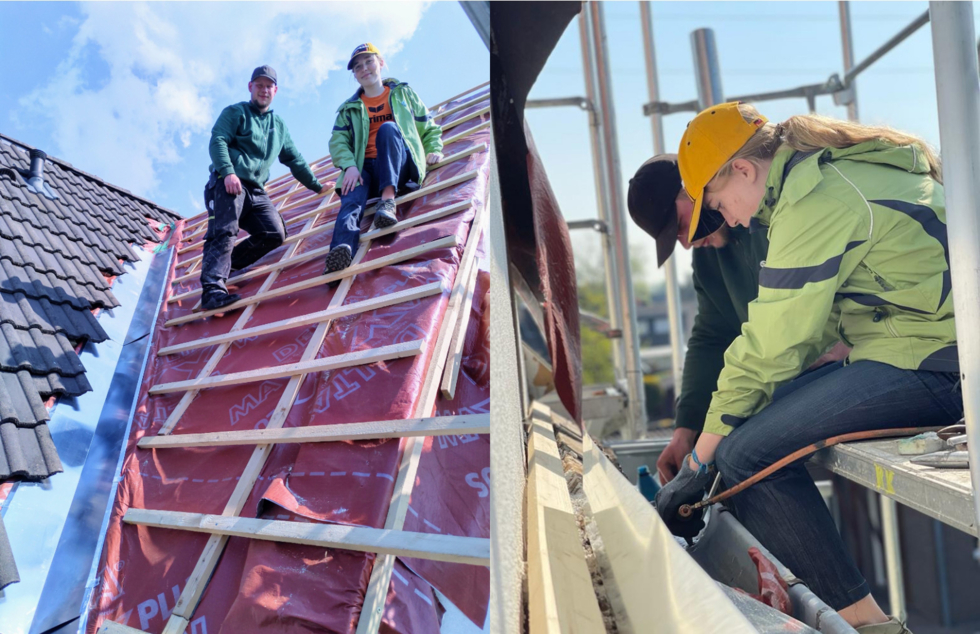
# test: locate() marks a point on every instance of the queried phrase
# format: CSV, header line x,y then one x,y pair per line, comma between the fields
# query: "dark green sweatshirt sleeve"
x,y
710,337
222,133
291,158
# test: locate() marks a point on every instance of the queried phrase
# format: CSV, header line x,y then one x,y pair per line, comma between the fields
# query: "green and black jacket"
x,y
857,253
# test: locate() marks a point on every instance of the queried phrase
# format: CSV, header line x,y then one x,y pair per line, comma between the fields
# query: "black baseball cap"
x,y
265,71
652,204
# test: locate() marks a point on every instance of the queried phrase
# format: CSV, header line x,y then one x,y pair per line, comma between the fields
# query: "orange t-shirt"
x,y
379,111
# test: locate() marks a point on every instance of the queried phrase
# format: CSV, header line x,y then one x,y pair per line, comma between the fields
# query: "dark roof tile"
x,y
56,385
55,255
19,401
37,352
28,453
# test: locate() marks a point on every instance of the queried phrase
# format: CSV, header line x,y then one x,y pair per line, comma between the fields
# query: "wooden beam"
x,y
560,594
109,627
186,400
437,426
350,359
367,305
647,576
465,133
424,191
208,560
451,373
462,106
473,551
377,592
462,94
176,625
472,115
408,223
320,280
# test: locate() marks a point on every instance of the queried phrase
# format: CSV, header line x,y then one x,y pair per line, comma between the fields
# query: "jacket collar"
x,y
806,175
806,169
255,110
391,82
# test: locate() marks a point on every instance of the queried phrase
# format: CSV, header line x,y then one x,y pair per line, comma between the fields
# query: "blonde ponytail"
x,y
811,132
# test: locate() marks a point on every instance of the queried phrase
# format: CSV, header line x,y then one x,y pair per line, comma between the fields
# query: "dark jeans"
x,y
785,511
393,167
251,210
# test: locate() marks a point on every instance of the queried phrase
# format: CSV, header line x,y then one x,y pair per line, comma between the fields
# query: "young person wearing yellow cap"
x,y
383,139
855,217
725,265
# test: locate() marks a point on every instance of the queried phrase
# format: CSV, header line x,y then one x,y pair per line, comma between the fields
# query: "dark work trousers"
x,y
393,167
785,511
251,210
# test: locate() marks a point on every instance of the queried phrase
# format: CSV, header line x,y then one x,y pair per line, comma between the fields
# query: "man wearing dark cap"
x,y
726,279
245,140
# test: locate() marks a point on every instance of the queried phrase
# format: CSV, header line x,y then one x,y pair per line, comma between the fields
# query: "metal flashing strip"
x,y
51,523
62,598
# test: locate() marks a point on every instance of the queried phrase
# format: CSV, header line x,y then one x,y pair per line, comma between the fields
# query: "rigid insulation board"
x,y
267,586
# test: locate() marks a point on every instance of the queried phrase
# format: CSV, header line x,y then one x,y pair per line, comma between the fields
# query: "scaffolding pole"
x,y
630,343
602,198
958,97
678,345
848,97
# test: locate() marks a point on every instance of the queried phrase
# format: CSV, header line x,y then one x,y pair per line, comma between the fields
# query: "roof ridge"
x,y
66,165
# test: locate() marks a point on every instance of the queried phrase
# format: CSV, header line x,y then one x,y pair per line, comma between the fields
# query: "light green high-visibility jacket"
x,y
857,252
348,141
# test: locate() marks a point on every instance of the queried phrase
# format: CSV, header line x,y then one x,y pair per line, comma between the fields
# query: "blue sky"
x,y
129,91
763,46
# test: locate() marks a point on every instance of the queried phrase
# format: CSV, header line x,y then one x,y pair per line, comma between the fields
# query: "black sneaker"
x,y
213,301
338,259
384,215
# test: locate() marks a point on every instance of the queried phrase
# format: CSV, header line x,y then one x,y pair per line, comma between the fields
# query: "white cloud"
x,y
170,67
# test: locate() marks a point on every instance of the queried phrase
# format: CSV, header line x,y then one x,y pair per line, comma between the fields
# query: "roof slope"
x,y
250,365
57,259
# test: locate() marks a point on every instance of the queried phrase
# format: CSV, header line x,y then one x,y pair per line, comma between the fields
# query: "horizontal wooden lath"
x,y
354,269
474,551
460,425
355,308
350,359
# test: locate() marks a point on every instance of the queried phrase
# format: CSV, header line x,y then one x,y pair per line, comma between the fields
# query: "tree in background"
x,y
597,366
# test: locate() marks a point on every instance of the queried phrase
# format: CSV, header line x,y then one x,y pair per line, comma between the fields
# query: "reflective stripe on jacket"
x,y
857,252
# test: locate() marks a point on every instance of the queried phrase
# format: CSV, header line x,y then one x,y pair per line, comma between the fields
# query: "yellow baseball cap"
x,y
710,140
361,49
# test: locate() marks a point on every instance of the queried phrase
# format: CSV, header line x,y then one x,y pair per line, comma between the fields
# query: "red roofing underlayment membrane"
x,y
293,588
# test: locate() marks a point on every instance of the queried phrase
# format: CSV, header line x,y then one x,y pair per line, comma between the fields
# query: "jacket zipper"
x,y
885,286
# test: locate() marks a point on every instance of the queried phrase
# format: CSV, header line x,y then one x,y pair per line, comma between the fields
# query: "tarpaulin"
x,y
292,588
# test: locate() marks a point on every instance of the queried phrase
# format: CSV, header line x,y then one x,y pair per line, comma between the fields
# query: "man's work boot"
x,y
216,300
384,215
338,259
892,626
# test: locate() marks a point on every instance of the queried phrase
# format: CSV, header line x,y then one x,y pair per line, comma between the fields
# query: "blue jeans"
x,y
785,511
393,167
